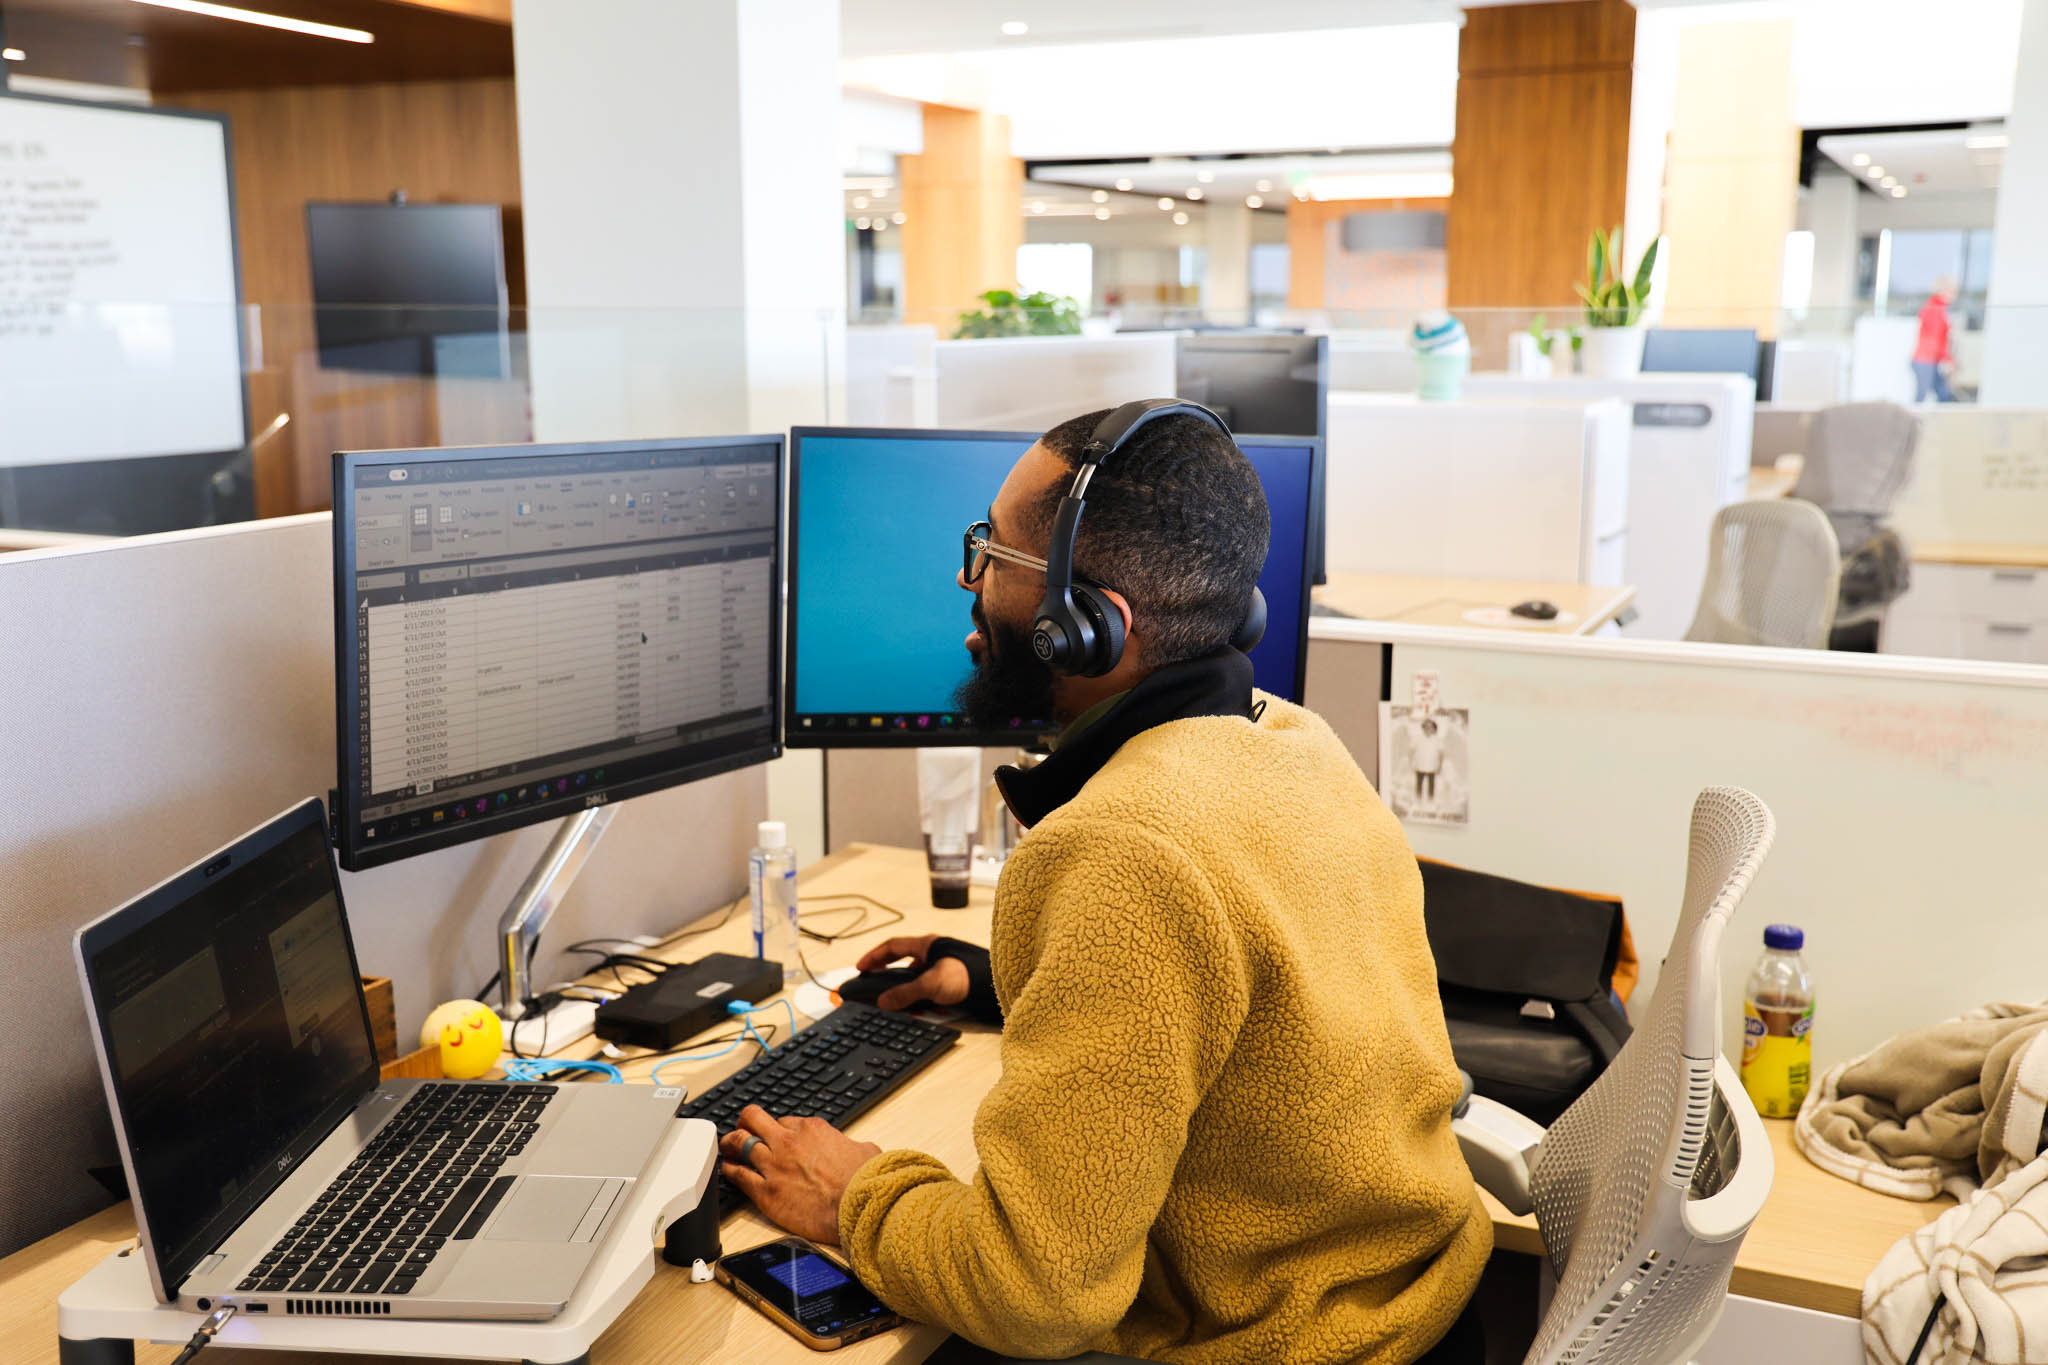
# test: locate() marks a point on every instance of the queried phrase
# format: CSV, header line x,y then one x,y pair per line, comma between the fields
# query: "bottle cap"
x,y
1787,936
773,834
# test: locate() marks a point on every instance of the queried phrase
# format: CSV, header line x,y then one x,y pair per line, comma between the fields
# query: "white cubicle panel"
x,y
1907,795
891,375
1688,458
1372,361
1035,383
163,696
1533,490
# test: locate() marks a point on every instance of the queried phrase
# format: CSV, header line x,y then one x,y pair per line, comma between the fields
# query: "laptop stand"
x,y
671,1215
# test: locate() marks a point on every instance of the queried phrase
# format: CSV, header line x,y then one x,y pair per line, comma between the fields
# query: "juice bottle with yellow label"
x,y
1777,1025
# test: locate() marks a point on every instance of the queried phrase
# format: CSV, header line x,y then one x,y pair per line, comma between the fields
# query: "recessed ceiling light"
x,y
1038,206
1194,191
1888,181
12,54
899,218
1164,202
1263,186
1898,191
250,16
863,223
1987,140
1252,201
860,201
1860,159
1099,196
1124,183
1015,28
1206,177
1875,172
1181,219
1102,213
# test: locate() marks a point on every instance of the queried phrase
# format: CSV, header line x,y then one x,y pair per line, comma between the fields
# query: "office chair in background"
x,y
1858,458
1645,1187
1773,576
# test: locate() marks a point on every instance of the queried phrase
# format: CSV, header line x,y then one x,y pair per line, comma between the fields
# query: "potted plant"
x,y
1542,359
1009,314
1613,344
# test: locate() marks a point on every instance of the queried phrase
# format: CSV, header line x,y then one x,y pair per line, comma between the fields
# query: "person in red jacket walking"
x,y
1932,358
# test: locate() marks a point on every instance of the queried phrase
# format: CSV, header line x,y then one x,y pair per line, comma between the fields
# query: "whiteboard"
x,y
1980,477
119,324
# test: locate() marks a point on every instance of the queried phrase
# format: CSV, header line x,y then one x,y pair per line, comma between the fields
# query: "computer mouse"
x,y
1535,610
866,988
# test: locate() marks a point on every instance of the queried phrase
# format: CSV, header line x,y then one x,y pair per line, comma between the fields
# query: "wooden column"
x,y
962,212
1731,176
1539,161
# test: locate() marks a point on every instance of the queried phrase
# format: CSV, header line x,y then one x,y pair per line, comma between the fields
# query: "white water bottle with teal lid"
x,y
771,894
1777,1025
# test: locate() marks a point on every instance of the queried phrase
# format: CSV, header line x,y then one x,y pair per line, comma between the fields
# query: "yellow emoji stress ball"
x,y
470,1035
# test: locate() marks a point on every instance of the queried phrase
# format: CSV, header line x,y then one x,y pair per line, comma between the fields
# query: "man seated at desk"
x,y
1222,1129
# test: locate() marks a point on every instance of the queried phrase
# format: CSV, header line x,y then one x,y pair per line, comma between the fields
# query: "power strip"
x,y
570,1021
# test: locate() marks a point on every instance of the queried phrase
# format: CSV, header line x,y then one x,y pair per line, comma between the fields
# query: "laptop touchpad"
x,y
553,1208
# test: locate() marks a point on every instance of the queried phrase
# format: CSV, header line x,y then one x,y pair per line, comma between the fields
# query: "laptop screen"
x,y
233,1030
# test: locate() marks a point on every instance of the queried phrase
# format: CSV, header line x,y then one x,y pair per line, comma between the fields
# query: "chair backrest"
x,y
1858,458
1774,571
1645,1186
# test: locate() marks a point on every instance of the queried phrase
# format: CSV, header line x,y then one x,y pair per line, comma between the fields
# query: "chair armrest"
x,y
1497,1142
1726,1214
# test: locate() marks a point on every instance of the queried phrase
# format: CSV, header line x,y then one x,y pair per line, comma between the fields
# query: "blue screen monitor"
x,y
876,620
1700,350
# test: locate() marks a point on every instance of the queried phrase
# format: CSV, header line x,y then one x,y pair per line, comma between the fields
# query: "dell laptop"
x,y
269,1167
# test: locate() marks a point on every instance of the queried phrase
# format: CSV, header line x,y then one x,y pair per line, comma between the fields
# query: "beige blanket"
x,y
1909,1119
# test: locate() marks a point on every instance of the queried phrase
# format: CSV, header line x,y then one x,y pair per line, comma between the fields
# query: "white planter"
x,y
1612,352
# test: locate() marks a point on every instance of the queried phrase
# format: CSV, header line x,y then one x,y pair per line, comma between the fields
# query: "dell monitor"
x,y
409,288
1274,384
526,632
1700,350
877,620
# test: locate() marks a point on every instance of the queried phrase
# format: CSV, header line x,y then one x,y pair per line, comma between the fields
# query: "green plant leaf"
x,y
1644,268
1596,261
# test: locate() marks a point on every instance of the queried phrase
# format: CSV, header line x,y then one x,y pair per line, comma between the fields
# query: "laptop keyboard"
x,y
429,1176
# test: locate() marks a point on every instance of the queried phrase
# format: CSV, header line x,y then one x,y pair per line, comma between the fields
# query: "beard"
x,y
1008,681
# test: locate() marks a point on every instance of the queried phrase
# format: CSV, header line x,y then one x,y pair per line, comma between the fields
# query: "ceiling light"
x,y
880,192
1180,219
1124,183
1987,140
1194,191
863,223
860,201
1301,193
1015,28
1099,196
1263,186
12,54
1038,206
1252,201
1206,177
1860,160
1875,172
1898,191
899,218
1164,202
1102,214
881,224
250,16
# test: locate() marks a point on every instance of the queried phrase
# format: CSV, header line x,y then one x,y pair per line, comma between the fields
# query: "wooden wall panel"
x,y
963,214
440,141
1540,157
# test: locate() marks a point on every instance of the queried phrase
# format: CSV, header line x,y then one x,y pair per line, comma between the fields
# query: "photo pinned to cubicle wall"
x,y
1426,763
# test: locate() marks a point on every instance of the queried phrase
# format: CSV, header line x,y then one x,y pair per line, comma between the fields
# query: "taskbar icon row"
x,y
903,722
477,807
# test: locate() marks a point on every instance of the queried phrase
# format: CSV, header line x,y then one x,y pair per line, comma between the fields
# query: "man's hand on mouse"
x,y
945,982
798,1171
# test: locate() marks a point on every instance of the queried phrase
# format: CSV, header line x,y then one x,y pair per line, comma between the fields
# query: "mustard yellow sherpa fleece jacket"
x,y
1222,1130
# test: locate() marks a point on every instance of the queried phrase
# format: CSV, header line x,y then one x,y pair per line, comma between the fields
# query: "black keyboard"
x,y
837,1069
429,1175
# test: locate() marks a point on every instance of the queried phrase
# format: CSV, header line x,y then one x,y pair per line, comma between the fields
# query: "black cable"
x,y
209,1329
1927,1328
868,906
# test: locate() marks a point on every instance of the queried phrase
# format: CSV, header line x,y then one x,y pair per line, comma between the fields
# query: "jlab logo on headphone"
x,y
1041,645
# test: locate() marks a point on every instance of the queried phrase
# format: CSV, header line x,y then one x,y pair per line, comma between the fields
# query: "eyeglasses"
x,y
977,549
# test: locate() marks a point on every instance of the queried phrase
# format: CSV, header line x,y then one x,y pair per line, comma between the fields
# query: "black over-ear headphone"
x,y
1078,630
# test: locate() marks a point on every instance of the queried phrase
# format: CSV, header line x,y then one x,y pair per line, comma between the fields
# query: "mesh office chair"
x,y
1773,576
1858,458
1644,1188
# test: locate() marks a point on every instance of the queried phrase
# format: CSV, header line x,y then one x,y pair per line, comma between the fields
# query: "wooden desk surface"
x,y
1990,556
1418,601
1817,1240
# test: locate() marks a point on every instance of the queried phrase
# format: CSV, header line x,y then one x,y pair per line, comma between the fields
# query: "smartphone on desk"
x,y
809,1295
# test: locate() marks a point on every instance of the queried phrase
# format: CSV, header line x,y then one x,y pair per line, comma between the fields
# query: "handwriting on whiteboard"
x,y
50,240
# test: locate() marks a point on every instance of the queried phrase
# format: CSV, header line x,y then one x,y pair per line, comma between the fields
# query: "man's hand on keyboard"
x,y
798,1170
944,983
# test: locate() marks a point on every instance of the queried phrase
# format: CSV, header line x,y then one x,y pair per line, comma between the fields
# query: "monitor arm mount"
x,y
519,927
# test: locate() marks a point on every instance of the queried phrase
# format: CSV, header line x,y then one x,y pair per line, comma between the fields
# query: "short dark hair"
x,y
1176,522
